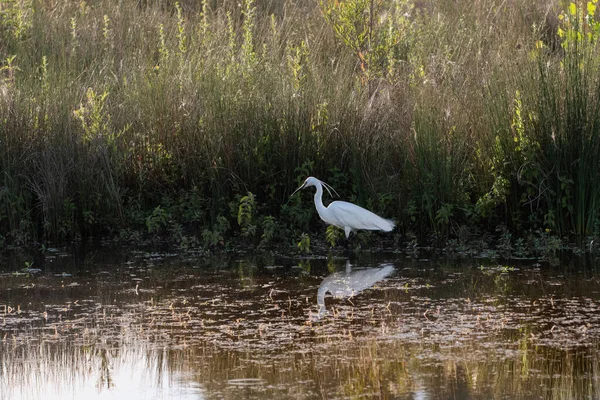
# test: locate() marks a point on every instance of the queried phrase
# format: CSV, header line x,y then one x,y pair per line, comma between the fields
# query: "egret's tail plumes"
x,y
382,224
386,225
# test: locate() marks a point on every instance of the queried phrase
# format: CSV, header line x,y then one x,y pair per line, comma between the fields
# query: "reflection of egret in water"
x,y
345,284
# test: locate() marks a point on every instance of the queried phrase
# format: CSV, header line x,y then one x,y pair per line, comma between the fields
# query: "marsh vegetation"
x,y
195,120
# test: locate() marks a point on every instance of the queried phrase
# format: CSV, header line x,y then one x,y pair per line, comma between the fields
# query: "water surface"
x,y
157,326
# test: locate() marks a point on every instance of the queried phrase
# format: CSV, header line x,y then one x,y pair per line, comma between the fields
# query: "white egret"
x,y
342,214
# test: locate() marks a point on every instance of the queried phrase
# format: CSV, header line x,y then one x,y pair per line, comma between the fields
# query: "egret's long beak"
x,y
300,188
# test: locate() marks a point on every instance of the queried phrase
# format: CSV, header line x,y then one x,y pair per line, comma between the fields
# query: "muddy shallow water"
x,y
157,326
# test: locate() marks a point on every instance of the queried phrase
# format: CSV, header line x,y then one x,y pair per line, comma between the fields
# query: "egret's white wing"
x,y
356,217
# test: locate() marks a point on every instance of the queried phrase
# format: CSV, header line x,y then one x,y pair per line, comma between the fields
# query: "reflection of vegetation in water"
x,y
246,273
104,380
51,369
345,367
453,331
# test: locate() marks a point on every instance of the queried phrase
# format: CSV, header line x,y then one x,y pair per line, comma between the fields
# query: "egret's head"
x,y
312,181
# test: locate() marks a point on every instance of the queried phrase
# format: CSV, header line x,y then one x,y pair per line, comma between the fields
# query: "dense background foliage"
x,y
197,120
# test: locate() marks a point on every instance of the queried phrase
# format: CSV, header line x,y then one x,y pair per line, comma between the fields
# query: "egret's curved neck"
x,y
319,199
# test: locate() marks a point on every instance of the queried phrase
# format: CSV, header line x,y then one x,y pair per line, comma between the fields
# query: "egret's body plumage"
x,y
342,214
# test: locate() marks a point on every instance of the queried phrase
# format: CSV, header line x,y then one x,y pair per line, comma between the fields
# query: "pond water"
x,y
114,325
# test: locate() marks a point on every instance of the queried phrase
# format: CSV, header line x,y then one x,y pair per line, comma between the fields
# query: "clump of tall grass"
x,y
547,133
115,107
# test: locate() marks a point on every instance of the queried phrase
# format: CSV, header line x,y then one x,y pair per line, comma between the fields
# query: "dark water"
x,y
158,326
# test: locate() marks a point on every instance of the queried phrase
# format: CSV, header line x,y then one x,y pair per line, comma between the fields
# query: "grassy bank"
x,y
133,118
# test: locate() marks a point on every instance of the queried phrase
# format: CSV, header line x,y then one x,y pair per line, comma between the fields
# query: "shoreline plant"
x,y
195,121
